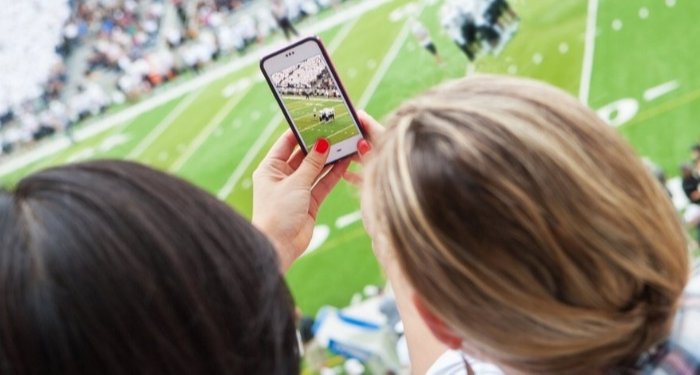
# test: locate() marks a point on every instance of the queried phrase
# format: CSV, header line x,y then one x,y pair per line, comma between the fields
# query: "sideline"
x,y
587,69
386,63
89,130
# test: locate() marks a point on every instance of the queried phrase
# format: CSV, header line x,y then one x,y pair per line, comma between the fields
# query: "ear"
x,y
437,325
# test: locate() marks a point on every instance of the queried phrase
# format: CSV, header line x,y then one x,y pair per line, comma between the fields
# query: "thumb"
x,y
312,165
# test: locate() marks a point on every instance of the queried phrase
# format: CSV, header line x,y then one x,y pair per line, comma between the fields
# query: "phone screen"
x,y
314,102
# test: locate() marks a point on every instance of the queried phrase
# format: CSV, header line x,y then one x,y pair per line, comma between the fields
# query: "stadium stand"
x,y
96,53
301,75
309,78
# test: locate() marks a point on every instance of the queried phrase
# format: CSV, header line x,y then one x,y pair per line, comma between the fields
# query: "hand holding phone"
x,y
288,190
312,98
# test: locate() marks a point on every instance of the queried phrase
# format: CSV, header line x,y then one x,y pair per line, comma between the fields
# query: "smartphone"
x,y
312,98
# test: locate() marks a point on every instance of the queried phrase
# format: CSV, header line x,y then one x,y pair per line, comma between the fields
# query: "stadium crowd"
x,y
685,194
309,78
95,53
690,183
30,66
302,75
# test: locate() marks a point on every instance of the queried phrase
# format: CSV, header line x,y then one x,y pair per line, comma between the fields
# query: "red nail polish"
x,y
322,145
363,146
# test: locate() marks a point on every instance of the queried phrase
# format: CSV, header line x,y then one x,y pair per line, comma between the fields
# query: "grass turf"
x,y
309,122
216,140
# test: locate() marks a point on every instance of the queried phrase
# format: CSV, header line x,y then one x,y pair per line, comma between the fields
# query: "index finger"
x,y
283,147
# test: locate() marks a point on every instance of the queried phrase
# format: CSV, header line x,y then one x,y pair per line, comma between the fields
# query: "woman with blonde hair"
x,y
521,234
530,233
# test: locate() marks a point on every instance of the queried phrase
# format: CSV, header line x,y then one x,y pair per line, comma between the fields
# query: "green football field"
x,y
634,61
309,122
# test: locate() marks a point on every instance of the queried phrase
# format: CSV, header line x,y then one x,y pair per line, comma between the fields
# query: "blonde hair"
x,y
529,226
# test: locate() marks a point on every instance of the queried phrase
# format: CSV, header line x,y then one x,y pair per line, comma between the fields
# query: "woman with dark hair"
x,y
111,267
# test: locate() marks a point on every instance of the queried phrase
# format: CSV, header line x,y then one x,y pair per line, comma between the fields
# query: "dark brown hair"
x,y
110,267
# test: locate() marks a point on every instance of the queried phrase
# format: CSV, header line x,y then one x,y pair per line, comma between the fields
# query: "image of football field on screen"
x,y
314,102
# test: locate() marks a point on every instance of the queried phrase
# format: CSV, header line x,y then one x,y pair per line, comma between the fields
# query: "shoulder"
x,y
686,330
682,355
676,360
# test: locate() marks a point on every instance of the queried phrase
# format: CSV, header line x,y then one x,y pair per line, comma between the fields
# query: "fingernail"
x,y
322,145
363,146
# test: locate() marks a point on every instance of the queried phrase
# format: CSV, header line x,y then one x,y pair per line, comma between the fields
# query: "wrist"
x,y
283,255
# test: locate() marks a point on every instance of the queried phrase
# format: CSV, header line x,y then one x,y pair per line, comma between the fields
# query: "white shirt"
x,y
452,363
421,34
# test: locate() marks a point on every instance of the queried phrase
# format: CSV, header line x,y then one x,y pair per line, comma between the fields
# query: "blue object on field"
x,y
359,323
320,317
349,351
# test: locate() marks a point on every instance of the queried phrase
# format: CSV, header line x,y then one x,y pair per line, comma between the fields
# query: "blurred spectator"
x,y
658,173
695,151
690,182
282,16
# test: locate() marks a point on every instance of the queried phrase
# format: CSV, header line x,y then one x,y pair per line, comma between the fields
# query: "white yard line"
x,y
249,156
206,132
661,90
587,70
326,123
272,125
386,63
164,124
342,130
342,34
348,219
51,147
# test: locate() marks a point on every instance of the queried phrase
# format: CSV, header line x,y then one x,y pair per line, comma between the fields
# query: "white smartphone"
x,y
312,98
